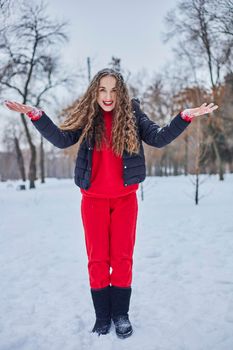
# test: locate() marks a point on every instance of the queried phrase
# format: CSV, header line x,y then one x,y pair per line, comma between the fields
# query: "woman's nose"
x,y
108,95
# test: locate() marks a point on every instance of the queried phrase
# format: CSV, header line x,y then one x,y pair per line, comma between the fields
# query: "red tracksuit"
x,y
109,214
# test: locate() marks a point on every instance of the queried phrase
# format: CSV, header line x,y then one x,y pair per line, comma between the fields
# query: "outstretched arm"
x,y
154,135
46,127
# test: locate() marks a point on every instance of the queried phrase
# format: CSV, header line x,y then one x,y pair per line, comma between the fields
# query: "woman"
x,y
109,128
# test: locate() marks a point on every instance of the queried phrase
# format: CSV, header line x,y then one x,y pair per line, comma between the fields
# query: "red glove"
x,y
35,113
186,115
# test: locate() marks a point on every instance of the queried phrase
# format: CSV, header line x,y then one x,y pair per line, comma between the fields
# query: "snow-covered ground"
x,y
182,290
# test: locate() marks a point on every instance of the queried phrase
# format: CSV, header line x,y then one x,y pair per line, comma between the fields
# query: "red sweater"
x,y
107,170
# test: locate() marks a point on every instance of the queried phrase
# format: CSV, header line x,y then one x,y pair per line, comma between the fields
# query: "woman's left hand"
x,y
189,113
203,109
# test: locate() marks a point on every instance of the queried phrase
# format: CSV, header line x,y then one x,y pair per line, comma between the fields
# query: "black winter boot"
x,y
120,299
101,302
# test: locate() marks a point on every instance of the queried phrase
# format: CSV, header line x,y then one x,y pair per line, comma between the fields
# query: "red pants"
x,y
110,231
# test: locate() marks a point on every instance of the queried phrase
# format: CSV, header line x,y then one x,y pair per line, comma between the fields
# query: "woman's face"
x,y
106,97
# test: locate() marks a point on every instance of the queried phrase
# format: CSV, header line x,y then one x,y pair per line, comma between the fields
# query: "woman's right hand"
x,y
17,107
32,112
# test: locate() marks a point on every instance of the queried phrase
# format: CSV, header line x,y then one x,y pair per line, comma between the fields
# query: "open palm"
x,y
18,107
203,109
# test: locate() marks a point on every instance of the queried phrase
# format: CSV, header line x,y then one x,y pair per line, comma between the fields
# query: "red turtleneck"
x,y
107,169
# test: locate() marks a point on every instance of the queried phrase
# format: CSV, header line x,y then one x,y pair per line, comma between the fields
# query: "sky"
x,y
126,29
101,29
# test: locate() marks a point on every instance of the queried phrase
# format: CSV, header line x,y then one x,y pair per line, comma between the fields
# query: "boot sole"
x,y
126,335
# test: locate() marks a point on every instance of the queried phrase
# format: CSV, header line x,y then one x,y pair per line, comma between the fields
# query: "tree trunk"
x,y
42,168
219,161
217,154
149,169
197,188
20,159
197,162
186,155
175,168
166,166
32,165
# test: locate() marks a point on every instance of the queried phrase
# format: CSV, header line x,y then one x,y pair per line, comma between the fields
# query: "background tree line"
x,y
32,72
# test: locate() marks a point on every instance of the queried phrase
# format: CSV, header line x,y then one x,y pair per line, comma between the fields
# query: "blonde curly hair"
x,y
86,114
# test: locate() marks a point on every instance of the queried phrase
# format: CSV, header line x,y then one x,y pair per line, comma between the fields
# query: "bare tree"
x,y
30,67
201,34
223,15
116,63
5,6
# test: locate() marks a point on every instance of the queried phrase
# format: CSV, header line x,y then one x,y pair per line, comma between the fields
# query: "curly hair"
x,y
86,114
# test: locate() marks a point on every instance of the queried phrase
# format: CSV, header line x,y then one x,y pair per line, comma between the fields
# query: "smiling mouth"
x,y
106,103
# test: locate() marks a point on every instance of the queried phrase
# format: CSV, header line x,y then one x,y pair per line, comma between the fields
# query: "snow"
x,y
182,290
